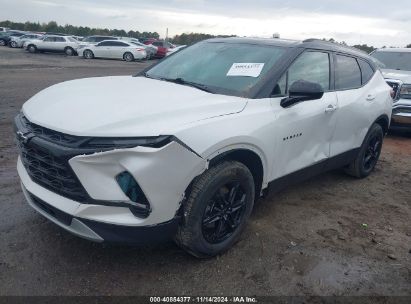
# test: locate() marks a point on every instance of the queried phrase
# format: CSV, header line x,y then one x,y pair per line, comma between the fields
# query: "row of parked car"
x,y
125,48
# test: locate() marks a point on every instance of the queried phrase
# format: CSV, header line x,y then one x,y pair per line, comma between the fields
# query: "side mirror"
x,y
302,90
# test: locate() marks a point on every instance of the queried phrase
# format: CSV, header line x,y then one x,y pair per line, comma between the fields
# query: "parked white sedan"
x,y
113,49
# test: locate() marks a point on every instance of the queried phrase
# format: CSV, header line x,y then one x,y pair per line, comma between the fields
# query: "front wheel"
x,y
216,210
13,44
2,42
88,54
32,48
369,154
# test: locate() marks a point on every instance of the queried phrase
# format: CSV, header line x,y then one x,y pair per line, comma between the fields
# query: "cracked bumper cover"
x,y
163,174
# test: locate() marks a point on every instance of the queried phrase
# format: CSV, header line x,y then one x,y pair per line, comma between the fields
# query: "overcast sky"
x,y
354,21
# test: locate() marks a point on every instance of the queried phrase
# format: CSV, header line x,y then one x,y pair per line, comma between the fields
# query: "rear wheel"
x,y
32,48
88,54
369,154
128,57
69,51
13,44
217,209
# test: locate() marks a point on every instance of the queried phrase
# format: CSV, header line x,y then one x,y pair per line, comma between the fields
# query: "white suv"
x,y
184,148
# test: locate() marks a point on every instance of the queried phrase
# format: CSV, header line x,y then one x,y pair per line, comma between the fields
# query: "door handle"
x,y
330,108
370,97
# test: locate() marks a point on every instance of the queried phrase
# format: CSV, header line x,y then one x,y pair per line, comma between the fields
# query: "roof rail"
x,y
335,43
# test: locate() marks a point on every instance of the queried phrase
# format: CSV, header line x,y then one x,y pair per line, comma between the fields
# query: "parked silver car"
x,y
53,43
397,72
17,42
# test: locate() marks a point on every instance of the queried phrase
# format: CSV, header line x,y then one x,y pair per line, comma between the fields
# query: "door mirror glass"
x,y
302,90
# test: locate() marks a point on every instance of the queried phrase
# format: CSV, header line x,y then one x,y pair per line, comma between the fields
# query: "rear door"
x,y
117,49
60,43
356,102
306,128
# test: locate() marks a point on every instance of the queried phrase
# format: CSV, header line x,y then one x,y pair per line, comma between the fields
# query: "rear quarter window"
x,y
366,71
347,73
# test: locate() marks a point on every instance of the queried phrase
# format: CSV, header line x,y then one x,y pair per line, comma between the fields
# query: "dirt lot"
x,y
308,239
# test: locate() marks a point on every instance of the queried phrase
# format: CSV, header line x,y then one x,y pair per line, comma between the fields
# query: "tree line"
x,y
182,39
187,39
54,27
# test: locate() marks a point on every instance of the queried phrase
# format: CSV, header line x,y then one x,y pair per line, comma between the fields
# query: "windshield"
x,y
394,60
227,68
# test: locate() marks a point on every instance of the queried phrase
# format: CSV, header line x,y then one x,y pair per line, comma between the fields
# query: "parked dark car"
x,y
5,37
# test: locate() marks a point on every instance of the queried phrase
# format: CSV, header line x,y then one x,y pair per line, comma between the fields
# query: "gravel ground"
x,y
308,239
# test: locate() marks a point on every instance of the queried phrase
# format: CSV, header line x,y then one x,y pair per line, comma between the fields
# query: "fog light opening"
x,y
139,204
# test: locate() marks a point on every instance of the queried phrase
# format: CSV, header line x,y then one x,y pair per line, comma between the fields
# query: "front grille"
x,y
399,110
46,167
50,135
45,154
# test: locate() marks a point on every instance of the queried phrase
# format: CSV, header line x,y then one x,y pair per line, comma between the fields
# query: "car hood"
x,y
404,76
125,106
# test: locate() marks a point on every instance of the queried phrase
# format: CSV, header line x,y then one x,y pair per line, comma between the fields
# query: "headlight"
x,y
117,143
405,91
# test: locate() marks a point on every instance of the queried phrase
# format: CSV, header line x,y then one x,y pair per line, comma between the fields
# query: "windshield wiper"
x,y
180,80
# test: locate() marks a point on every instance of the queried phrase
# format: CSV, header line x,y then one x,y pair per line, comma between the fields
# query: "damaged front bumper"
x,y
163,175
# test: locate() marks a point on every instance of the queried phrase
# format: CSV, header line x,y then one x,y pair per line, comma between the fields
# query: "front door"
x,y
305,129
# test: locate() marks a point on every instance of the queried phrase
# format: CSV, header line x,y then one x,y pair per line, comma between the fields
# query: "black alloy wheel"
x,y
372,152
224,213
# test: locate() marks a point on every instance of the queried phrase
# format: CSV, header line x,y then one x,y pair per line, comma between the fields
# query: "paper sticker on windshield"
x,y
246,69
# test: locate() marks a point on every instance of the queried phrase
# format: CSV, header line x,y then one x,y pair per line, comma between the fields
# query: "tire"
x,y
210,225
369,154
2,42
128,57
69,51
13,44
32,48
87,54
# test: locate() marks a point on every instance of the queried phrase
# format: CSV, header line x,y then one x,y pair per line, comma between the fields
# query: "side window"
x,y
347,73
366,71
60,39
310,66
112,43
104,43
118,43
49,39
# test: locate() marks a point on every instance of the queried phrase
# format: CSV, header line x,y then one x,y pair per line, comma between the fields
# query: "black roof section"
x,y
317,44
